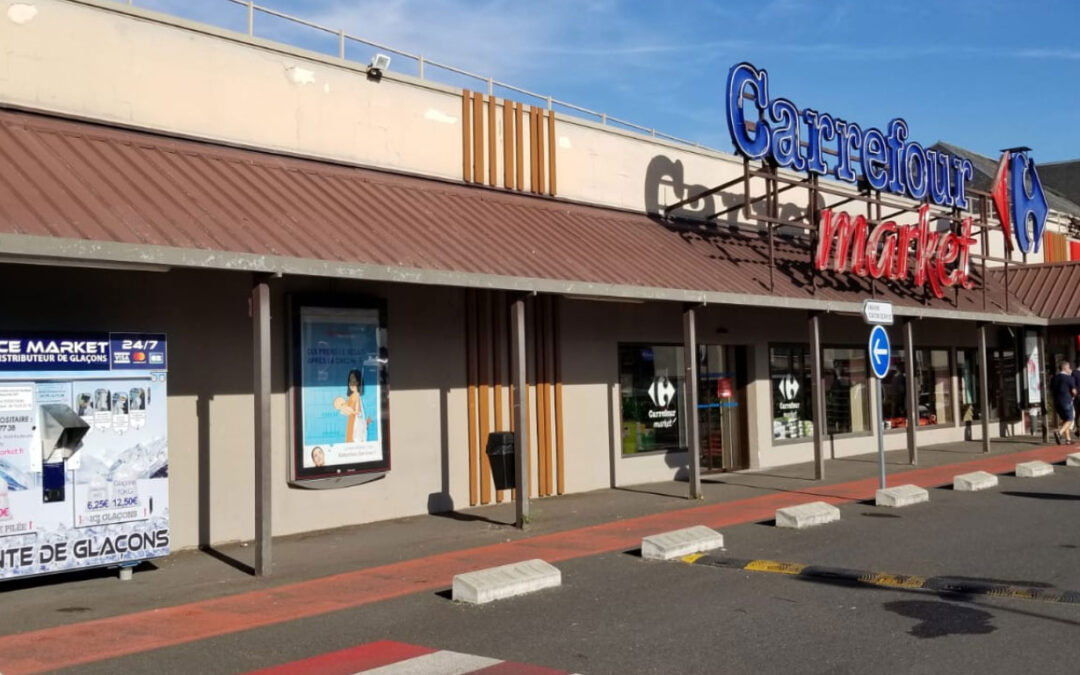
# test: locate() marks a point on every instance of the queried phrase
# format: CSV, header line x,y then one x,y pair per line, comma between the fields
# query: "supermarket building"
x,y
170,177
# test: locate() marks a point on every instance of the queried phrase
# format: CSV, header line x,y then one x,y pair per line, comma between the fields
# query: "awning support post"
x,y
521,430
817,401
912,391
260,319
984,388
690,389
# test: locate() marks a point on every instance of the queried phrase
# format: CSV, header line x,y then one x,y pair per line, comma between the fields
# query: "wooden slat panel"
x,y
530,376
498,323
549,379
557,357
508,145
532,149
466,140
519,144
483,349
470,381
551,156
492,145
478,137
540,180
541,397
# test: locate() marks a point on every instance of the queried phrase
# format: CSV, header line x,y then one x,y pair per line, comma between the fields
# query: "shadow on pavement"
x,y
470,518
228,560
69,577
1042,495
938,618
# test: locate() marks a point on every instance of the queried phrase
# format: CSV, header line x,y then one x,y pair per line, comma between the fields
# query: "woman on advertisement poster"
x,y
356,428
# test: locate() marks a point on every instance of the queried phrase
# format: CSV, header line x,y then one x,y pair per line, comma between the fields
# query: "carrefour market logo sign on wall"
x,y
887,160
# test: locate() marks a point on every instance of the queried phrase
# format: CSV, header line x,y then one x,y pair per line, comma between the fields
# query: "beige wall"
x,y
156,72
205,315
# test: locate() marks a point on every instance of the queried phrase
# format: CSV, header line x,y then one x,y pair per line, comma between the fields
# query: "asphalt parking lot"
x,y
617,613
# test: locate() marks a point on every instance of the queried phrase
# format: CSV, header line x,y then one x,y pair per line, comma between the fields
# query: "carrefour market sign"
x,y
887,160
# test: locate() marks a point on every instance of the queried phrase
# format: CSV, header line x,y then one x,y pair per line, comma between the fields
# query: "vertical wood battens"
x,y
540,182
483,330
557,358
551,152
532,149
498,324
538,376
549,378
511,351
470,383
492,145
508,145
519,146
530,320
466,139
478,137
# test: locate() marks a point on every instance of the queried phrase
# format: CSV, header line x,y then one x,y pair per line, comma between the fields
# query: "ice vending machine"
x,y
84,452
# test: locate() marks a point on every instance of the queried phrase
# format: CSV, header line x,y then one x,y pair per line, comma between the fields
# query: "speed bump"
x,y
940,584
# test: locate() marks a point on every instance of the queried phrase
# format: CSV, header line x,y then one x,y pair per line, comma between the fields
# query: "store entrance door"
x,y
722,377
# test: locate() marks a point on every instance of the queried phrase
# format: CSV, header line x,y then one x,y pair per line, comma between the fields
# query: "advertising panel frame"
x,y
350,319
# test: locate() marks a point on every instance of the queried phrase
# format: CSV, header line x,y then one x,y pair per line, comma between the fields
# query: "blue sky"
x,y
982,74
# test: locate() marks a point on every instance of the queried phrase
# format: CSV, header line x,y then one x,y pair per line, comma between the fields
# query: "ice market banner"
x,y
84,460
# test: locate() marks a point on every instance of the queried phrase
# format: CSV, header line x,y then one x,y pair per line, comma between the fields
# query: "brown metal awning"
x,y
1050,290
72,189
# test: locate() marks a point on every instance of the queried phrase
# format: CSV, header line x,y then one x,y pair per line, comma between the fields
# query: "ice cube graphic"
x,y
14,477
5,504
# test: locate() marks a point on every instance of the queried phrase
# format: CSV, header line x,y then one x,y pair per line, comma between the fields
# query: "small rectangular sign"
x,y
876,312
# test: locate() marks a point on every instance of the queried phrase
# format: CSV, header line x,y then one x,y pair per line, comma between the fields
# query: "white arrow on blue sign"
x,y
880,352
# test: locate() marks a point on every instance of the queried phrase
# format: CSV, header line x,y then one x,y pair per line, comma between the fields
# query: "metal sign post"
x,y
880,355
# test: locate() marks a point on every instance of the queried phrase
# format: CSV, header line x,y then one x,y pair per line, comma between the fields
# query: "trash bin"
x,y
500,452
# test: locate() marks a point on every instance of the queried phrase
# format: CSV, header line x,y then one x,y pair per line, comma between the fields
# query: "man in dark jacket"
x,y
1063,393
1076,400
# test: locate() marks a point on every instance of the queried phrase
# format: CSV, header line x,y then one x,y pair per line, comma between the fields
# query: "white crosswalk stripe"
x,y
437,663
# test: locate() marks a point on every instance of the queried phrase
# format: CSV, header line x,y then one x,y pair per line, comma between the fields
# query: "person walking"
x,y
1076,400
1064,391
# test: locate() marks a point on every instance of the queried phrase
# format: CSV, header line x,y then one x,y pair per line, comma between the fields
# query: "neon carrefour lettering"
x,y
941,258
887,160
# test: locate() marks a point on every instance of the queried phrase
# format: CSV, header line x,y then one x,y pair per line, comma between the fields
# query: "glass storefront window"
x,y
844,383
935,386
894,391
1004,385
967,371
789,371
650,384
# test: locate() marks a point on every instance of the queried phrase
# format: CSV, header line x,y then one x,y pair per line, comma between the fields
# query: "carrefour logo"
x,y
661,391
1016,175
789,387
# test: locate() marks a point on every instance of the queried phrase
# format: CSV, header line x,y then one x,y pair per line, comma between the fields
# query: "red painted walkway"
x,y
112,637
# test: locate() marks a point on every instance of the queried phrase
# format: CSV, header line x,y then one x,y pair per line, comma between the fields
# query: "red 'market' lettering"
x,y
885,251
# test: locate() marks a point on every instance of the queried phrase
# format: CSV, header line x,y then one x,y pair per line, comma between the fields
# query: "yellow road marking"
x,y
892,580
692,558
1015,592
774,566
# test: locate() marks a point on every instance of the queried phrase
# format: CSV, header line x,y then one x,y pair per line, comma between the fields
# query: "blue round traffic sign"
x,y
879,352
